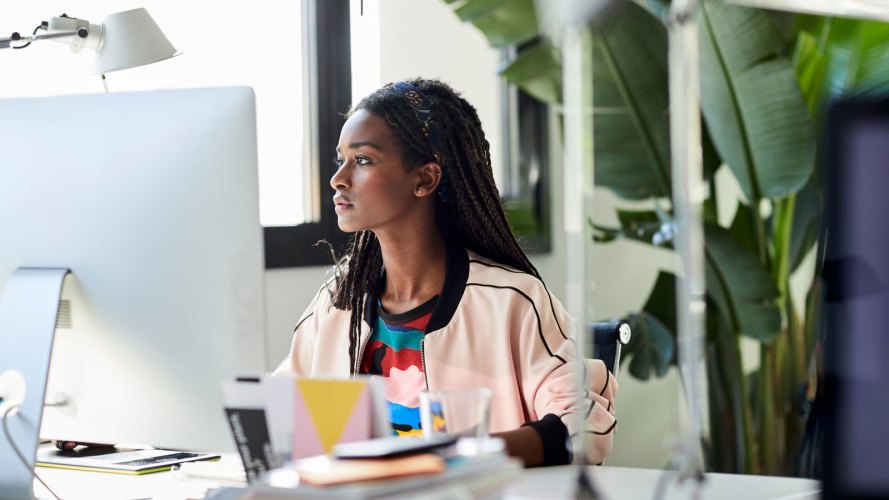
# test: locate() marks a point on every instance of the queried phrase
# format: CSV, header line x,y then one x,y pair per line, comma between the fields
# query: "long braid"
x,y
362,268
468,208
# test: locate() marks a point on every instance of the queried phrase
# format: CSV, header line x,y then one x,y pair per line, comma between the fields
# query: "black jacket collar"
x,y
456,275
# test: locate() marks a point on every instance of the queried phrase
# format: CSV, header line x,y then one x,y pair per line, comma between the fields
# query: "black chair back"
x,y
607,337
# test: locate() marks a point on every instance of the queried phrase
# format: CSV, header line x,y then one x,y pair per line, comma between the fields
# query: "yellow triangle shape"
x,y
330,404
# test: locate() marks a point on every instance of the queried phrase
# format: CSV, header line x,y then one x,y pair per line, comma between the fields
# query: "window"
x,y
330,64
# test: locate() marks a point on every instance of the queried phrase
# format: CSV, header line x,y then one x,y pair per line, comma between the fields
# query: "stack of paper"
x,y
404,477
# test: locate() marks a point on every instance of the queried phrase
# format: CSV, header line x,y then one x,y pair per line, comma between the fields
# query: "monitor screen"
x,y
856,307
151,200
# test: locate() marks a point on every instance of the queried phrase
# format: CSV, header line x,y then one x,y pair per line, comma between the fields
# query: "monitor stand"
x,y
28,309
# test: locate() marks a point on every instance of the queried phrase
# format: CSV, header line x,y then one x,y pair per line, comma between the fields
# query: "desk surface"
x,y
615,483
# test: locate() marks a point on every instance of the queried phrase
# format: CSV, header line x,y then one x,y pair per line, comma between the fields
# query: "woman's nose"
x,y
340,179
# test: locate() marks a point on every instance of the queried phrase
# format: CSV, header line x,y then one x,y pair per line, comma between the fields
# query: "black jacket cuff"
x,y
554,436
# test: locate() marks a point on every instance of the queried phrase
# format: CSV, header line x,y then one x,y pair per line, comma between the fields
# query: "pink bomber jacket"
x,y
495,327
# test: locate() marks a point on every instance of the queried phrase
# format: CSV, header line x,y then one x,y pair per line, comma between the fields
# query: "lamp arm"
x,y
6,41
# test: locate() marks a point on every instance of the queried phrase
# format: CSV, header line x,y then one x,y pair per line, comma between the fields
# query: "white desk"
x,y
618,483
615,483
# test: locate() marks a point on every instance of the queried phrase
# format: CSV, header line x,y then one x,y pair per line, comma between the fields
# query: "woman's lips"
x,y
341,204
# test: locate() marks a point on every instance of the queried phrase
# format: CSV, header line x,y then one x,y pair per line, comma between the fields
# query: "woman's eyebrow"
x,y
356,145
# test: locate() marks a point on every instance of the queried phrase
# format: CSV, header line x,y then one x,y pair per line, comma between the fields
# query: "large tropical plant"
x,y
765,80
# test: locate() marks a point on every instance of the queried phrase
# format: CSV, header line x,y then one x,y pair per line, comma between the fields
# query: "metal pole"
x,y
689,192
577,185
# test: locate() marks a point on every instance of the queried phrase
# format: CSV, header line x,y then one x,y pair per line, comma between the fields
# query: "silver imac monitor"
x,y
150,199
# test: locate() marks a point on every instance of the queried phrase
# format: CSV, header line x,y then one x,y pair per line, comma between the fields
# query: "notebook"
x,y
117,460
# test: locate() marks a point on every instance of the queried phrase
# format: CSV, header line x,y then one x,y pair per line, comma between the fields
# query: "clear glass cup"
x,y
460,412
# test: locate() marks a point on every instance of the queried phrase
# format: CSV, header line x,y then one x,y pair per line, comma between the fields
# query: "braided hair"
x,y
468,211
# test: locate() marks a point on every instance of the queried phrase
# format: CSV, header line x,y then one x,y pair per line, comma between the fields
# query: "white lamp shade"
x,y
130,39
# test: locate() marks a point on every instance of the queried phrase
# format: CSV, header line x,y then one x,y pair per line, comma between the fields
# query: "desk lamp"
x,y
123,40
30,302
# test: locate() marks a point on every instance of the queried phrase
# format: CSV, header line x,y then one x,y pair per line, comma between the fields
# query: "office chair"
x,y
607,338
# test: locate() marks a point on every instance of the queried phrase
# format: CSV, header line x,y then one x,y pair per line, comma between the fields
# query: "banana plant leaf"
x,y
651,346
638,225
737,284
538,71
752,102
630,97
503,22
657,8
742,290
742,228
661,302
806,222
834,56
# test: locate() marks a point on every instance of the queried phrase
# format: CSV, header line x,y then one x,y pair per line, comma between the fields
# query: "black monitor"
x,y
856,306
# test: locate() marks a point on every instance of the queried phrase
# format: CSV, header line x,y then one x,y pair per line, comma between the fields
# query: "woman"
x,y
435,292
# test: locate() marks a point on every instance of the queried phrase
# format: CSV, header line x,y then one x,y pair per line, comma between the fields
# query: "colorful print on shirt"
x,y
393,351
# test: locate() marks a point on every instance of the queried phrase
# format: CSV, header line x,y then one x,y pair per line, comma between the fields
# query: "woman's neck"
x,y
415,268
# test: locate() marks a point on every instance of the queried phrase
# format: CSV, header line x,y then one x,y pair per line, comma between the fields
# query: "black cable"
x,y
33,33
20,454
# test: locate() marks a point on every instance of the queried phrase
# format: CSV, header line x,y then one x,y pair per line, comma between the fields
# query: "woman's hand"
x,y
525,444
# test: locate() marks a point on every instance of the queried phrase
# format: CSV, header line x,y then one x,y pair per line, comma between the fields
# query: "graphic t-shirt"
x,y
393,351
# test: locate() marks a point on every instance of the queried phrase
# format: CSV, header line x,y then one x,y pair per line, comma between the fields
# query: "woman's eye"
x,y
362,160
338,161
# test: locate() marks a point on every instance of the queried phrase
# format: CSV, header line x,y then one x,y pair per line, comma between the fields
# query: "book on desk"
x,y
117,460
429,474
323,460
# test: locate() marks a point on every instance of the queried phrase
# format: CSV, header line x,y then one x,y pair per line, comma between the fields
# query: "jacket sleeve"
x,y
554,383
299,361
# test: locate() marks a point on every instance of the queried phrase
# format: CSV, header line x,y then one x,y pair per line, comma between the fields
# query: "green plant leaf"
x,y
752,102
630,99
538,71
503,22
604,234
809,59
742,228
837,56
660,9
806,222
470,10
661,301
866,66
651,346
639,225
740,287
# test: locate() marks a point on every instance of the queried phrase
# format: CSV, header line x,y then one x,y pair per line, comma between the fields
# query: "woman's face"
x,y
374,189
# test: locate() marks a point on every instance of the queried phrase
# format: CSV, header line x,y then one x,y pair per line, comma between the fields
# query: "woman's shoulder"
x,y
511,288
325,292
487,272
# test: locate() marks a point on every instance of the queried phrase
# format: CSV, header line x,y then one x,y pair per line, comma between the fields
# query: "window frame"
x,y
330,92
526,125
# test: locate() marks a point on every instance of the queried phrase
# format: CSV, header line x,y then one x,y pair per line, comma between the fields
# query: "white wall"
x,y
423,38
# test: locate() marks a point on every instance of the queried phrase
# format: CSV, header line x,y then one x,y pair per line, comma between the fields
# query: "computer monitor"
x,y
151,200
856,306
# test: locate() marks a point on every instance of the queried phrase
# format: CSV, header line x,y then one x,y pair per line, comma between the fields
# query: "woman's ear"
x,y
428,178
